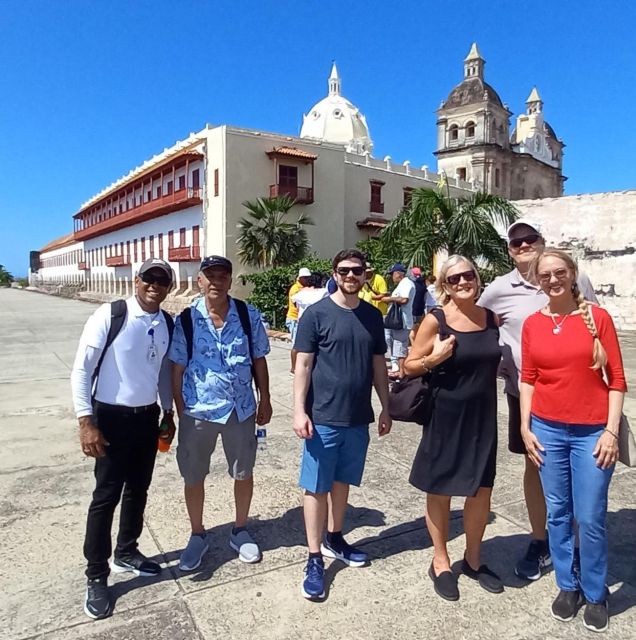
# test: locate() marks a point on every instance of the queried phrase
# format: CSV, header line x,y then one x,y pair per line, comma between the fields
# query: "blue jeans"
x,y
575,489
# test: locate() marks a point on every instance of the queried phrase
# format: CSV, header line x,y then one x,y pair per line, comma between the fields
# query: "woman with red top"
x,y
569,423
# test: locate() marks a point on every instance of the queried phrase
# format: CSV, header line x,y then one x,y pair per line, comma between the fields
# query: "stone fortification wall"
x,y
599,229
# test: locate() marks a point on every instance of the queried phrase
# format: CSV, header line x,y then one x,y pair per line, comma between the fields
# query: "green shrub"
x,y
270,288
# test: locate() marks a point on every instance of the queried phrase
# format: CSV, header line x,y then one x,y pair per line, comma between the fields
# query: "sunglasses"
x,y
531,238
469,276
162,281
546,276
345,271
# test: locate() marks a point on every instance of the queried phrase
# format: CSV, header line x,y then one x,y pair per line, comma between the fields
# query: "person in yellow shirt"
x,y
374,289
291,319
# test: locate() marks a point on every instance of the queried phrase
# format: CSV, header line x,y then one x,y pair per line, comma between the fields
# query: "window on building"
x,y
216,182
181,183
195,239
160,243
453,133
135,248
195,179
148,195
461,173
376,205
182,237
407,196
470,129
158,192
169,187
170,239
151,244
143,248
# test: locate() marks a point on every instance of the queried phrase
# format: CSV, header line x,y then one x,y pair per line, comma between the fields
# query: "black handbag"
x,y
393,319
411,399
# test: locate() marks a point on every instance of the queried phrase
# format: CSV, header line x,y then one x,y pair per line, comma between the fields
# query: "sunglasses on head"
x,y
344,271
469,276
546,276
151,278
531,238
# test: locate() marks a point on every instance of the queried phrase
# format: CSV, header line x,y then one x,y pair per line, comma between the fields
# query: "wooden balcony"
x,y
181,199
302,195
82,266
184,254
118,261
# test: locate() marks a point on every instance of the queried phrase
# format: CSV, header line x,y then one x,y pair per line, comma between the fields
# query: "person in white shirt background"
x,y
115,388
310,293
398,339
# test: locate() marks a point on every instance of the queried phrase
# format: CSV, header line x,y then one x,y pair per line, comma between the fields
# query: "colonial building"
x,y
188,200
474,143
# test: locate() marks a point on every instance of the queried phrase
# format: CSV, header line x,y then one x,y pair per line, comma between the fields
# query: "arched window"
x,y
453,132
470,129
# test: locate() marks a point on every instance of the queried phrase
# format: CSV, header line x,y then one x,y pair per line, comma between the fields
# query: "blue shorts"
x,y
292,328
334,454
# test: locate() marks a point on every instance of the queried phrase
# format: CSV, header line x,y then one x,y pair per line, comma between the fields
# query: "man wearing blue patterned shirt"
x,y
214,395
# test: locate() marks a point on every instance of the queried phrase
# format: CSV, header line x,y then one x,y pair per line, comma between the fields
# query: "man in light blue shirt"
x,y
215,360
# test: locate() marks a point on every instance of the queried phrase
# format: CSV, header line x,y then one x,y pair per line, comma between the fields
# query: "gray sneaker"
x,y
243,543
192,555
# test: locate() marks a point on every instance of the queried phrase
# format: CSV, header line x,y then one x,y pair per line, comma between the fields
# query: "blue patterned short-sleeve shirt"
x,y
218,379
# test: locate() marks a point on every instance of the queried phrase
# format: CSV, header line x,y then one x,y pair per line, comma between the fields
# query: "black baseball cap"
x,y
156,263
216,261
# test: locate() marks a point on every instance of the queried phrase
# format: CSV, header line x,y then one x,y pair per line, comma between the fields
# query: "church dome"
x,y
472,91
335,119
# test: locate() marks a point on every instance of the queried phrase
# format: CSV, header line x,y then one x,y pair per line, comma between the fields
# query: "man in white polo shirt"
x,y
115,382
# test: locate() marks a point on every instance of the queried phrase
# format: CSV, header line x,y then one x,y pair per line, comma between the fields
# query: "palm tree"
x,y
5,276
266,239
466,225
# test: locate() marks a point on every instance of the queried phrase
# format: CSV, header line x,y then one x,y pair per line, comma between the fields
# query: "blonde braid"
x,y
599,356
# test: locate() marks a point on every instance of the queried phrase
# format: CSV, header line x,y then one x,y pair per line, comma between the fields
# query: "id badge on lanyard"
x,y
152,347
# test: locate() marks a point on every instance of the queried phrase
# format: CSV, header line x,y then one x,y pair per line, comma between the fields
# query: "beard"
x,y
350,287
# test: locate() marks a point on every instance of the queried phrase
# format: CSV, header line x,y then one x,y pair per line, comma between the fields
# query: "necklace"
x,y
556,330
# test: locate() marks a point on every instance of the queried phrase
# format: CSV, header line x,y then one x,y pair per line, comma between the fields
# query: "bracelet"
x,y
611,432
426,369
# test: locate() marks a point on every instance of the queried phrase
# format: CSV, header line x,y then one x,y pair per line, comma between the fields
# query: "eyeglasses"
x,y
546,276
469,276
345,271
531,238
162,281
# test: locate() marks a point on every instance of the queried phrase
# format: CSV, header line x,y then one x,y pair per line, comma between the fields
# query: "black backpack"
x,y
118,311
241,307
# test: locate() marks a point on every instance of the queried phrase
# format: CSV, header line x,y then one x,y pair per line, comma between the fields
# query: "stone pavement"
x,y
45,485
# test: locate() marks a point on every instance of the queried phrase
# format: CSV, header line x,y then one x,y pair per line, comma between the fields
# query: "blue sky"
x,y
90,89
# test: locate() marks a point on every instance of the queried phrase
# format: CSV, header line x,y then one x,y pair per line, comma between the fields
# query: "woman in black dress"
x,y
459,345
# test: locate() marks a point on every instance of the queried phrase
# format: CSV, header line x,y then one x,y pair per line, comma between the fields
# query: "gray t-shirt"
x,y
343,342
513,299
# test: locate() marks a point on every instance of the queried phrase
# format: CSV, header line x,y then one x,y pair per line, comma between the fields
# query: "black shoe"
x,y
97,603
137,563
596,617
536,561
487,579
445,584
566,605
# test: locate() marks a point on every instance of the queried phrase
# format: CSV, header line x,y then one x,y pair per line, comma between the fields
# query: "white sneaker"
x,y
243,543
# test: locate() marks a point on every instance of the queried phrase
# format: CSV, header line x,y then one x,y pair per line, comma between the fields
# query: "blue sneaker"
x,y
314,582
351,556
192,555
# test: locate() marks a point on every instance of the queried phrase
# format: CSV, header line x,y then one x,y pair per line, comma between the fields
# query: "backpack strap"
x,y
170,324
188,330
244,317
118,312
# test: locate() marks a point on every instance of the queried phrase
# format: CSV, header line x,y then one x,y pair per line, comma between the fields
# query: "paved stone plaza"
x,y
45,485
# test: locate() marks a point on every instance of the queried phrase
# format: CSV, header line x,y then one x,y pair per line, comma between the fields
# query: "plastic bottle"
x,y
261,439
162,445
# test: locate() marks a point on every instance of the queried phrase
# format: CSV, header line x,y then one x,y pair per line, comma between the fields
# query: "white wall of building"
x,y
65,273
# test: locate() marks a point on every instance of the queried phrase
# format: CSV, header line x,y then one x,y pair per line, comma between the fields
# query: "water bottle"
x,y
163,445
261,439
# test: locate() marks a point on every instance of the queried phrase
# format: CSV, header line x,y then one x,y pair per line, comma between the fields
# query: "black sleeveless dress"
x,y
457,454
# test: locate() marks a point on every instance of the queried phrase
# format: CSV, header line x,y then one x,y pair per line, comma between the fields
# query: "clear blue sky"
x,y
91,88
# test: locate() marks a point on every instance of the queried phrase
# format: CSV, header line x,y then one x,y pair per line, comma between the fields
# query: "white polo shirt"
x,y
130,372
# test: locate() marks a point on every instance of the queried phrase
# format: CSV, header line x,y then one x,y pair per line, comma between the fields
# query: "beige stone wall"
x,y
600,231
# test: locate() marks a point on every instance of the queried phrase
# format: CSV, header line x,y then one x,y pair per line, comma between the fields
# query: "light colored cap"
x,y
304,273
527,222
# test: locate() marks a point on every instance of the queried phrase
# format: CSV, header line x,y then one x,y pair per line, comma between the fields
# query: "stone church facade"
x,y
474,143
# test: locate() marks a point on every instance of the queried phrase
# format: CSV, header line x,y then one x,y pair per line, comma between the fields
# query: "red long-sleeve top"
x,y
566,389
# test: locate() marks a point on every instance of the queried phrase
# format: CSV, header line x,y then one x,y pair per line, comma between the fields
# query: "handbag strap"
x,y
441,320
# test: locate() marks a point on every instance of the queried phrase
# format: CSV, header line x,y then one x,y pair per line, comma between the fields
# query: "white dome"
x,y
335,119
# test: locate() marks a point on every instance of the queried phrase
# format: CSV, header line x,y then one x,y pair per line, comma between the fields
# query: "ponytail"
x,y
599,355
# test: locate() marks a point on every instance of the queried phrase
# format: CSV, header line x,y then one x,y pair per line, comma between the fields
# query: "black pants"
x,y
127,466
